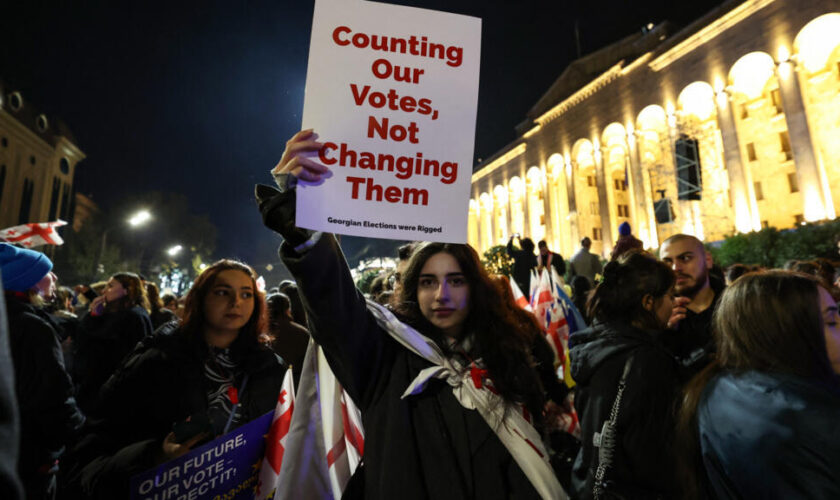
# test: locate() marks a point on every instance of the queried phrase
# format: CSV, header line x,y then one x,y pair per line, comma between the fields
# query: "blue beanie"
x,y
21,268
624,229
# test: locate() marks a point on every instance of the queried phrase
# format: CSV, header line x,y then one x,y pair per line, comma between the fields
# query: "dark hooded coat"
x,y
643,459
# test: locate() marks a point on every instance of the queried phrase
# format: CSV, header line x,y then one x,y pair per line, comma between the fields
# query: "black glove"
x,y
278,213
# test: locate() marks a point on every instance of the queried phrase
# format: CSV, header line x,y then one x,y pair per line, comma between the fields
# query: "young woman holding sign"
x,y
445,382
185,384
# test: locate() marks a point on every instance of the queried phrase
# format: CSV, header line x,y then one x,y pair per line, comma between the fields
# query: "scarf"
x,y
517,435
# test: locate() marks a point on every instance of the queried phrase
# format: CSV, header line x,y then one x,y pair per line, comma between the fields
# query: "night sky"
x,y
200,97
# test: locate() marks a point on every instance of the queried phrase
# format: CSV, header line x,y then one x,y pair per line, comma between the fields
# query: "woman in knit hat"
x,y
626,241
48,413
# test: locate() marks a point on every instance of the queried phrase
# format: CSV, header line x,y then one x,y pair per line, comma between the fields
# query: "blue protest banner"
x,y
224,469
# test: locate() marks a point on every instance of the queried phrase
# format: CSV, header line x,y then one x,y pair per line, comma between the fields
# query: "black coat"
x,y
49,416
161,383
523,262
423,446
769,435
693,343
644,457
100,344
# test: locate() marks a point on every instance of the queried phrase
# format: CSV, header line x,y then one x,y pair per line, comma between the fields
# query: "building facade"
x,y
38,158
726,126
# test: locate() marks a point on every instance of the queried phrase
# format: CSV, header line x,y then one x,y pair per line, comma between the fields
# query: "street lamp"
x,y
175,250
138,219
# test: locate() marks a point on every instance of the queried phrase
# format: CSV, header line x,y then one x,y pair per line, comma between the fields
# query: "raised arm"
x,y
356,348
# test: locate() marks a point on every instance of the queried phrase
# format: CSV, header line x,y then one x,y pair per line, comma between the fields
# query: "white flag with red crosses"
x,y
276,439
33,234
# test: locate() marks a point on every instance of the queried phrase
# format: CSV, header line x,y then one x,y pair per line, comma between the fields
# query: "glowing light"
x,y
652,117
486,201
517,188
535,177
140,218
784,54
473,205
698,99
751,73
582,152
175,250
555,165
501,195
817,41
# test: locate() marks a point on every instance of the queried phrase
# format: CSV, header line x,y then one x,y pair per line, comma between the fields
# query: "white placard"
x,y
392,91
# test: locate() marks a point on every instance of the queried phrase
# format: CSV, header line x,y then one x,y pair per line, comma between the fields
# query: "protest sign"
x,y
224,469
392,92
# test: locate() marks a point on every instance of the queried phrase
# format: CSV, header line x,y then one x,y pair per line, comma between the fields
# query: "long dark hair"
x,y
498,338
618,297
135,293
770,322
192,325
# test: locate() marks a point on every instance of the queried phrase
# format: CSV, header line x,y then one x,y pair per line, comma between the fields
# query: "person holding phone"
x,y
114,323
184,385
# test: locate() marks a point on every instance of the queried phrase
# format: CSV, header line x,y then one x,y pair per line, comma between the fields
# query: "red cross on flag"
x,y
276,439
33,234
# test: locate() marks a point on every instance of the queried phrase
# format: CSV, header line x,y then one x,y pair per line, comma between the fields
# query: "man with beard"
x,y
697,296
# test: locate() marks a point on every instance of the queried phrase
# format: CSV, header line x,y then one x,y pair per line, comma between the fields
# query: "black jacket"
x,y
161,383
523,262
769,435
693,343
49,416
423,446
643,458
99,347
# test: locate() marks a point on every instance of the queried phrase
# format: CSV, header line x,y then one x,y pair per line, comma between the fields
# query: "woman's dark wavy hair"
x,y
498,338
192,325
618,297
135,293
766,321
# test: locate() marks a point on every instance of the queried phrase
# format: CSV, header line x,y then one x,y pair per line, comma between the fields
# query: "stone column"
x,y
641,201
547,212
742,204
807,168
571,196
603,201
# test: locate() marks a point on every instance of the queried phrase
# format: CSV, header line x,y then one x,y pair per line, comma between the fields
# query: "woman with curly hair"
x,y
213,369
114,323
441,380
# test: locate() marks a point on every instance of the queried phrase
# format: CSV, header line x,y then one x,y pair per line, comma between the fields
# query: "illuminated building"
x,y
728,125
38,158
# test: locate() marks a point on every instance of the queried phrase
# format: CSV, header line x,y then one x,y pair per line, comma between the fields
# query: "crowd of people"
x,y
688,381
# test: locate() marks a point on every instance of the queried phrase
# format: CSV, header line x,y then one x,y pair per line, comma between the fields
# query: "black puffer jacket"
x,y
643,458
162,382
49,416
100,344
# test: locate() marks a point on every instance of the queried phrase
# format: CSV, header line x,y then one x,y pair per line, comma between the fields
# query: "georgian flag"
x,y
276,441
518,296
326,439
33,234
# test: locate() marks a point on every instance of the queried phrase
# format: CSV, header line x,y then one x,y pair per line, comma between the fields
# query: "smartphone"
x,y
192,426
